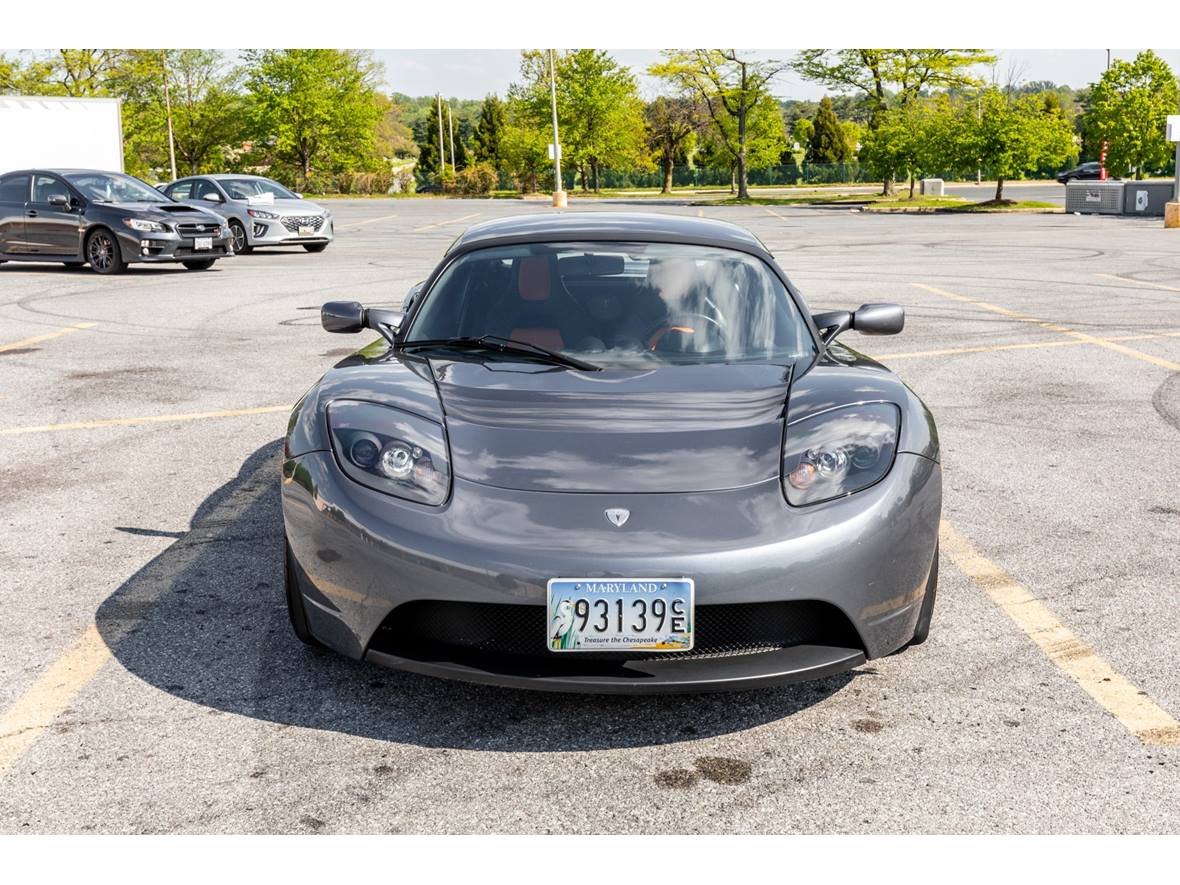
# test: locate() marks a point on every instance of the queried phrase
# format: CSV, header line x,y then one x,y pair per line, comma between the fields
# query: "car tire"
x,y
103,252
202,264
315,247
295,608
238,235
926,614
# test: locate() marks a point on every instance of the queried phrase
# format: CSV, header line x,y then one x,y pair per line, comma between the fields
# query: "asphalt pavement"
x,y
149,682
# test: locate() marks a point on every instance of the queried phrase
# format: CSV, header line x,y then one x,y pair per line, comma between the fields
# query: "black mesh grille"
x,y
455,630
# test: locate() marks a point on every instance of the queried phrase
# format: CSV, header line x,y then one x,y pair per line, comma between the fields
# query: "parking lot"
x,y
149,681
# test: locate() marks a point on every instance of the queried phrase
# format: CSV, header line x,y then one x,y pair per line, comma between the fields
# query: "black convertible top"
x,y
553,227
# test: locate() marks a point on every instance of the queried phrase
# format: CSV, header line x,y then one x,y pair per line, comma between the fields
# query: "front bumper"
x,y
165,247
366,563
278,232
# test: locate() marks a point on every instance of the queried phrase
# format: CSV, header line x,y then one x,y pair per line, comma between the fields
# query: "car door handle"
x,y
31,213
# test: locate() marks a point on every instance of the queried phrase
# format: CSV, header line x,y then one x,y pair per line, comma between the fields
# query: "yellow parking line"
x,y
441,223
777,215
1147,283
141,419
36,339
34,711
367,221
1054,327
1133,708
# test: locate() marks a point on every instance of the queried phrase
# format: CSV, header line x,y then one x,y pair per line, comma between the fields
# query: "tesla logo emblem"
x,y
618,516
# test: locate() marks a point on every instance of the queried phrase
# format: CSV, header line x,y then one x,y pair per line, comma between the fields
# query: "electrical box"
x,y
1174,127
1146,197
933,187
1094,197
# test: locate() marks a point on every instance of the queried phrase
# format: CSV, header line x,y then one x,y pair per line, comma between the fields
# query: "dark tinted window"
x,y
45,185
619,304
206,190
14,189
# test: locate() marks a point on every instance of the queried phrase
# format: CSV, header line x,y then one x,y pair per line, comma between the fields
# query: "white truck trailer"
x,y
41,131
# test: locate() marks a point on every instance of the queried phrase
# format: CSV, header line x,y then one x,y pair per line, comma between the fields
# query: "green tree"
x,y
1127,108
672,125
911,139
827,144
426,137
315,107
489,132
890,77
1011,134
733,90
802,130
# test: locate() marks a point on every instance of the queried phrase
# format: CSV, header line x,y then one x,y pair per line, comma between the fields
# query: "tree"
x,y
731,87
890,77
316,107
802,130
395,138
827,144
911,139
1128,108
1011,134
489,133
672,125
426,137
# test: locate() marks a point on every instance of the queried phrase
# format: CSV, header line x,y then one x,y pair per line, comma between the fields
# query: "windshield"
x,y
619,304
113,187
247,188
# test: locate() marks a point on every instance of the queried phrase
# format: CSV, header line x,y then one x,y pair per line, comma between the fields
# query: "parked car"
x,y
1084,172
106,219
611,453
261,212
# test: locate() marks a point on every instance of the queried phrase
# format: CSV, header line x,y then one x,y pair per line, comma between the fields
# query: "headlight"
x,y
390,450
144,225
839,452
262,213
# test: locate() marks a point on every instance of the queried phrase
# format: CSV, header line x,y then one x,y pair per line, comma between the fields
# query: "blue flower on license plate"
x,y
620,614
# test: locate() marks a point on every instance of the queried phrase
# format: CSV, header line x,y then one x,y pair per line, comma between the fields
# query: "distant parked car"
x,y
1086,172
106,219
261,212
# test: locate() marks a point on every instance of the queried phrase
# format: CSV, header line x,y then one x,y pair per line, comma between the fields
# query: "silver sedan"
x,y
260,212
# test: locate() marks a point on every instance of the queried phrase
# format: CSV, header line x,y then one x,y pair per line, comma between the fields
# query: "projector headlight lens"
x,y
839,452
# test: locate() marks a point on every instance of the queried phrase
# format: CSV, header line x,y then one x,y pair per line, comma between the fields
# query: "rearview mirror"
x,y
352,316
868,319
59,200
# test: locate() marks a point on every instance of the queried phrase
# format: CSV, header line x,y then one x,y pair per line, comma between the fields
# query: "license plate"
x,y
202,243
620,614
306,230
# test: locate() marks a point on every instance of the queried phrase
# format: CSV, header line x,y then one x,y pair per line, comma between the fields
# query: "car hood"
x,y
289,207
164,211
676,429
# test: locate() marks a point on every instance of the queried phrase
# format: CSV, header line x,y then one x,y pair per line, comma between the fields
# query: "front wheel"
x,y
202,264
926,614
238,235
315,247
103,253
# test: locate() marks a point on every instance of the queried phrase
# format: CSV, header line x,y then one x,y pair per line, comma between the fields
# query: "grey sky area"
x,y
472,73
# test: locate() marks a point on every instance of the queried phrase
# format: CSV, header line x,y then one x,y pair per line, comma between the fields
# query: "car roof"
x,y
66,171
222,176
592,226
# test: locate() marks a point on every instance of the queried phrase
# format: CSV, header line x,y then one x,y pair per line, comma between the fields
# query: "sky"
x,y
473,73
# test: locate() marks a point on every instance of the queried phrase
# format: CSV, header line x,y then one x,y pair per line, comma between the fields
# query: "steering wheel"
x,y
687,332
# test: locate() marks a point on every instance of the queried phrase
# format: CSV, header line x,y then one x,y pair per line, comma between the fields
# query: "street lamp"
x,y
559,197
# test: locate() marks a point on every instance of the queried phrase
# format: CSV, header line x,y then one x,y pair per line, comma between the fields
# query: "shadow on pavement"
x,y
206,620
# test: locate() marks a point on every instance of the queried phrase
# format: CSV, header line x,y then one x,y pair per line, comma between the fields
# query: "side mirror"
x,y
298,195
868,319
213,198
352,316
59,200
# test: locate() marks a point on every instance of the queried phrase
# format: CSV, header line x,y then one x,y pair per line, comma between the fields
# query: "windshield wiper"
x,y
505,345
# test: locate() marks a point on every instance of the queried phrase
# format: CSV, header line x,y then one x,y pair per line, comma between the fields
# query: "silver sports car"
x,y
260,212
611,453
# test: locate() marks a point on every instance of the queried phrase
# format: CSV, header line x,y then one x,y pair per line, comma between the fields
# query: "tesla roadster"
x,y
611,453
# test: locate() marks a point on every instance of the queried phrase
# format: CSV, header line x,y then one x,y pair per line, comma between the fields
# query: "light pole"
x,y
559,198
168,110
442,154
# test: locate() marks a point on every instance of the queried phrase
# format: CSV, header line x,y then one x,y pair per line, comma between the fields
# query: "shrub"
x,y
480,178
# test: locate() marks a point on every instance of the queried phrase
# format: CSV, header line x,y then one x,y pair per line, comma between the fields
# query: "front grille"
x,y
294,222
466,630
199,229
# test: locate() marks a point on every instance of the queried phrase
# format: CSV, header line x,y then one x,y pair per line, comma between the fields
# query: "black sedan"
x,y
106,219
1084,172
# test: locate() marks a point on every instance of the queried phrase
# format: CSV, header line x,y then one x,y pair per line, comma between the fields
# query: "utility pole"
x,y
1108,59
451,127
559,198
442,154
168,110
1172,209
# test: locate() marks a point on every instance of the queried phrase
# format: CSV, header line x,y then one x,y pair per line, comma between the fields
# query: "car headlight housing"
x,y
262,213
391,451
142,224
839,452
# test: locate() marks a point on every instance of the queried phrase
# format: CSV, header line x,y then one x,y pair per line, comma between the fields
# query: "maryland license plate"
x,y
620,614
